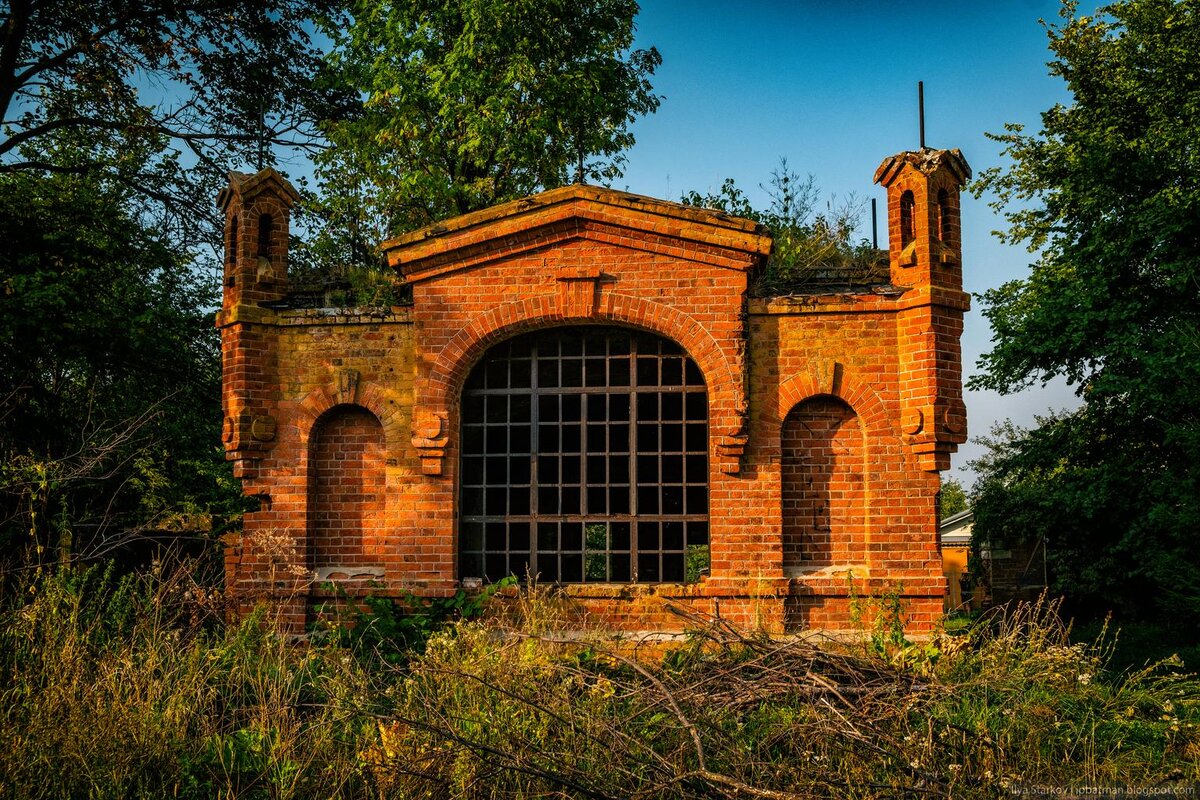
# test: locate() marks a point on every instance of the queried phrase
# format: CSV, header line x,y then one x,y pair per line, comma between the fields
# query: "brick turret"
x,y
925,253
257,211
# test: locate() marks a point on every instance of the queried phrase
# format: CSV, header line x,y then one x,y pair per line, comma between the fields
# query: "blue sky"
x,y
832,86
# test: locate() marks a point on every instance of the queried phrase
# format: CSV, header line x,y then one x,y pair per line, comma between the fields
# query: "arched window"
x,y
231,256
943,216
584,460
908,206
266,230
346,488
823,485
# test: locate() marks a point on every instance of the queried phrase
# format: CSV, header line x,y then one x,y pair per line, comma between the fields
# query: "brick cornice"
x,y
249,187
944,297
927,161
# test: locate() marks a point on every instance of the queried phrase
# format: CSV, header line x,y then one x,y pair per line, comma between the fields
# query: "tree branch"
x,y
15,28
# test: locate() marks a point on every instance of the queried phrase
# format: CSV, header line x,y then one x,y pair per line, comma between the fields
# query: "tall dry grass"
x,y
135,688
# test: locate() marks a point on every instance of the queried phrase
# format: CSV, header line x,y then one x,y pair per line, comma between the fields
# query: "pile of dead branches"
x,y
492,713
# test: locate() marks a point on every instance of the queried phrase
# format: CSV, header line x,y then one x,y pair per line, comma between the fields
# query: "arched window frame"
x,y
908,206
576,502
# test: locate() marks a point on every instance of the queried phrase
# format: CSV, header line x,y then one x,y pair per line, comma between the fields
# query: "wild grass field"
x,y
139,687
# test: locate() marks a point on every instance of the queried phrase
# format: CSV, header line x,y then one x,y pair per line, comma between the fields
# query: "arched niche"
x,y
346,481
823,487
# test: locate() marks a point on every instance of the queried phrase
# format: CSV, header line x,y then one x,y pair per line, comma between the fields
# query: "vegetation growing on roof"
x,y
815,252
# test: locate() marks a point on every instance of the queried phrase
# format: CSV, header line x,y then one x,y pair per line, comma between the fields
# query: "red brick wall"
x,y
346,489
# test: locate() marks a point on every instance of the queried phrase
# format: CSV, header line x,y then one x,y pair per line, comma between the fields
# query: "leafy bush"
x,y
393,630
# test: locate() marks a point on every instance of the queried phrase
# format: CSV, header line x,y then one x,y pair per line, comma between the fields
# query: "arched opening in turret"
x,y
907,208
266,231
943,216
232,252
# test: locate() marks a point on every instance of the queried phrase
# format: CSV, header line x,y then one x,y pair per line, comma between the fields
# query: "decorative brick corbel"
x,y
247,439
912,421
954,421
262,428
430,435
246,434
729,451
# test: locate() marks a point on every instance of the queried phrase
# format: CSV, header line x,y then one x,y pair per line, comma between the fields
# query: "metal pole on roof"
x,y
262,134
921,109
874,225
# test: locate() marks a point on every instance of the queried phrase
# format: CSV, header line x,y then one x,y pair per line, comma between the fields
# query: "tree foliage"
x,y
952,499
118,121
162,95
473,102
109,372
1108,195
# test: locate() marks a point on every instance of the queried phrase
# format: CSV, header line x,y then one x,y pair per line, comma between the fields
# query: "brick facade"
x,y
829,415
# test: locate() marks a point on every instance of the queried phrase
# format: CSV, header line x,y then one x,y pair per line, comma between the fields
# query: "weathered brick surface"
x,y
829,415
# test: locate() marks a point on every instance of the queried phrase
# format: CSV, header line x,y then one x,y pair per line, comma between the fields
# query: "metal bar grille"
x,y
585,460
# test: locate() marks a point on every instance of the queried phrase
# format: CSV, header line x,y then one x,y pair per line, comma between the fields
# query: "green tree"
x,y
163,96
109,373
952,499
118,120
473,102
1107,194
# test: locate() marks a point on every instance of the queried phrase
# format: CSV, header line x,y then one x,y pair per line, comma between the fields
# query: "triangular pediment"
x,y
559,216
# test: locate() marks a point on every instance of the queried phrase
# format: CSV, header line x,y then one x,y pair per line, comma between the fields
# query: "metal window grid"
x,y
584,459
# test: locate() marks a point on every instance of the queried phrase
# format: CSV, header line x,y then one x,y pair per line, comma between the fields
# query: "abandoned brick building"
x,y
584,388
